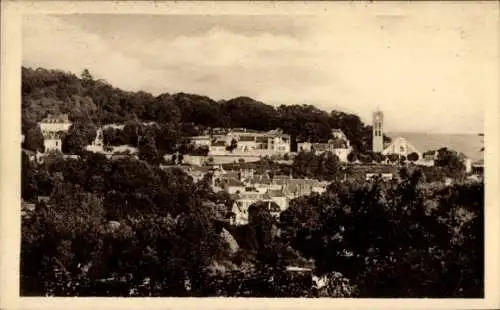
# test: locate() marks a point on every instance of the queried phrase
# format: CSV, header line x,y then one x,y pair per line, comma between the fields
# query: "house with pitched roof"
x,y
338,145
244,200
248,142
401,147
199,141
55,123
52,141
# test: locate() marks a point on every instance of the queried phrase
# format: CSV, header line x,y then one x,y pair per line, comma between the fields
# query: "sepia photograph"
x,y
326,154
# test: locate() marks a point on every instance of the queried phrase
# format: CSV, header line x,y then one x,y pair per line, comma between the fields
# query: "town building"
x,y
199,141
114,126
217,147
383,176
97,145
478,167
51,123
378,132
52,141
400,146
276,203
53,129
339,145
248,188
245,142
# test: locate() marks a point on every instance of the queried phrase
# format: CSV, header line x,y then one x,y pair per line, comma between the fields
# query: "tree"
x,y
352,156
33,140
86,76
261,225
366,158
378,157
148,152
411,249
402,159
413,157
133,131
168,138
393,157
232,146
79,135
450,161
84,95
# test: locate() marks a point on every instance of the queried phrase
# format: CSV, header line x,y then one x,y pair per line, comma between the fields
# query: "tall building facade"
x,y
378,132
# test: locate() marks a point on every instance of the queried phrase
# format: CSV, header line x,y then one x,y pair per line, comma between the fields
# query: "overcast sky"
x,y
428,72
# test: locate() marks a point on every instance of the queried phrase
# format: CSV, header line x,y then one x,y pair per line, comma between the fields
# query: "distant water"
x,y
469,144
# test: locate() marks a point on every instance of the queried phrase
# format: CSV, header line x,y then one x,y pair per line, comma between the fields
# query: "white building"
x,y
339,145
205,140
338,134
276,203
53,129
52,142
52,123
234,186
97,145
217,148
114,126
400,146
248,142
378,132
468,165
278,142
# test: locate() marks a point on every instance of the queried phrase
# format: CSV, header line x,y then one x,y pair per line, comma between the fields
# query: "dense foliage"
x,y
127,228
309,165
94,226
394,240
95,101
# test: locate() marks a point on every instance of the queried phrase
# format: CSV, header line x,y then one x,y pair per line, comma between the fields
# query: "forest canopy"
x,y
86,99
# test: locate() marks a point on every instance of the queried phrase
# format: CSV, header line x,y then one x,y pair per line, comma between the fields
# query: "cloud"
x,y
421,71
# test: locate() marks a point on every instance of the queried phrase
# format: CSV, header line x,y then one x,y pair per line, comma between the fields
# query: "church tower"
x,y
99,138
378,132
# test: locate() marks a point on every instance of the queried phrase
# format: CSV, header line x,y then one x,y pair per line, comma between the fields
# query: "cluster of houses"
x,y
338,145
244,141
242,144
236,142
246,187
55,127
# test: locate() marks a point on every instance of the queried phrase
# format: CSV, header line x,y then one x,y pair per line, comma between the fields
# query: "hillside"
x,y
95,101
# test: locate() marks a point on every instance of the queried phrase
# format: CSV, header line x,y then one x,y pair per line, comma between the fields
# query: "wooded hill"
x,y
88,100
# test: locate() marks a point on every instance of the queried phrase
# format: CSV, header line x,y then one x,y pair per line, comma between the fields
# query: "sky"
x,y
427,70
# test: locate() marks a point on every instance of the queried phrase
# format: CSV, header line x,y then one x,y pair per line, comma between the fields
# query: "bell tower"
x,y
99,138
378,132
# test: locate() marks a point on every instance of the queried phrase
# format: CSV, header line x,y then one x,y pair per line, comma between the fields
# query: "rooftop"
x,y
234,182
275,193
206,137
61,118
219,143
